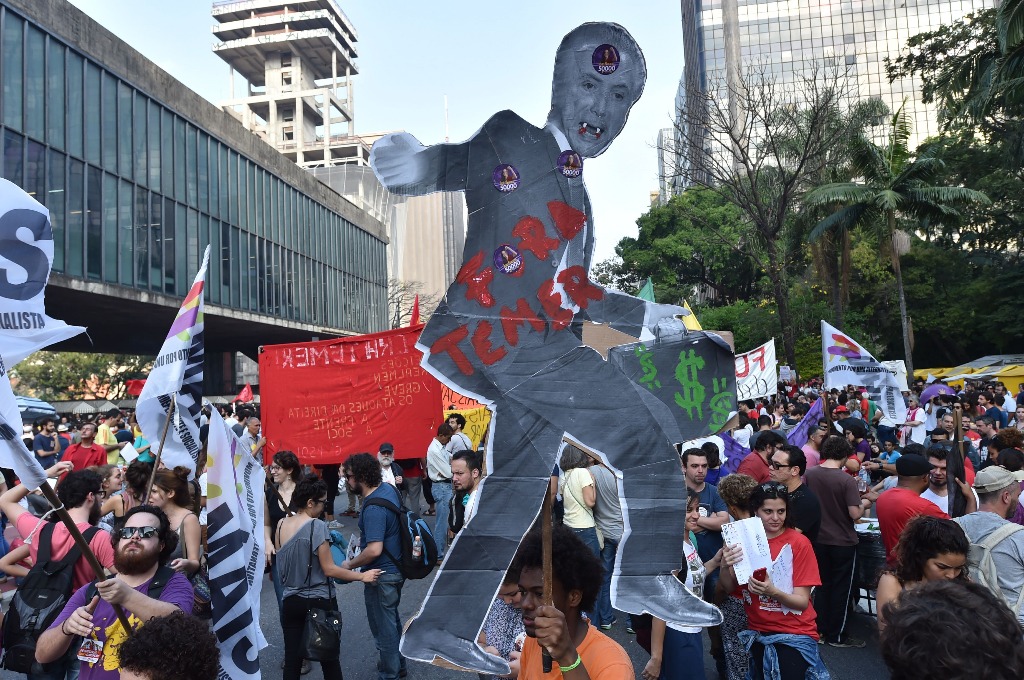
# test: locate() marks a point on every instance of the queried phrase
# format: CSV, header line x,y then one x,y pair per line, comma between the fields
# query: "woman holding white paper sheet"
x,y
783,622
677,652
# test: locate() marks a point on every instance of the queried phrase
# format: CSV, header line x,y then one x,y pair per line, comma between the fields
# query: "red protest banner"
x,y
326,400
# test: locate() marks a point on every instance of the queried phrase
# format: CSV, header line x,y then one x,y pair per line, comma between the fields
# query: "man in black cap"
x,y
898,506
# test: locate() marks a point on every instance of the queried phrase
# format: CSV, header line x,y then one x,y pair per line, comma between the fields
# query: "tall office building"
x,y
723,38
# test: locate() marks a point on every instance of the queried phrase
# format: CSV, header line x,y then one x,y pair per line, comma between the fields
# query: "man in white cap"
x,y
998,495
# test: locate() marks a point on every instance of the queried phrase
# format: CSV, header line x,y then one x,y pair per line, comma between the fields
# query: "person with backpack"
x,y
380,545
996,557
306,566
59,567
144,587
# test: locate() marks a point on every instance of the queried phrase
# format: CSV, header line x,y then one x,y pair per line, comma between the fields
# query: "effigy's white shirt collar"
x,y
559,136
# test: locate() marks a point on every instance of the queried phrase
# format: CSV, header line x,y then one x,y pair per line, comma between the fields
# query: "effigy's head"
x,y
599,75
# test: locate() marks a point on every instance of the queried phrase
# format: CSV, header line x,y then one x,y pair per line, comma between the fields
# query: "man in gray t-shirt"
x,y
608,517
998,497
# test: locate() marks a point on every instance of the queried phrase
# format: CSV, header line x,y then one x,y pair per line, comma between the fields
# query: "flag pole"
x,y
83,545
546,562
159,452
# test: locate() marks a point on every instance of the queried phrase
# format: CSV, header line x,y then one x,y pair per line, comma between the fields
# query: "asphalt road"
x,y
359,655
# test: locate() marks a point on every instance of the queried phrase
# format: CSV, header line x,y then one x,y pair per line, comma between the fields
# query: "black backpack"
x,y
410,525
38,601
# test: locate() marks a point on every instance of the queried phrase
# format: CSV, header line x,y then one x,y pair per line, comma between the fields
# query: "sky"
x,y
485,56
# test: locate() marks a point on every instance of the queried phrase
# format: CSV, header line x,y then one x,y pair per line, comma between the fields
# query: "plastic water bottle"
x,y
417,547
863,480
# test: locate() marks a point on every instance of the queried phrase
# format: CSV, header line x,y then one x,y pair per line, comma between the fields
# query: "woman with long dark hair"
x,y
929,549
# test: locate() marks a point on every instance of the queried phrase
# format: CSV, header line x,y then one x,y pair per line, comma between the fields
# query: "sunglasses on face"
x,y
142,532
776,489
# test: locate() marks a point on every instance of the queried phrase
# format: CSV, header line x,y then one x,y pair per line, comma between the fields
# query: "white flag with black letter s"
x,y
26,256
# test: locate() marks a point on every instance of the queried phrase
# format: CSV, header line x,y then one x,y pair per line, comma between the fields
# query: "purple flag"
x,y
798,435
734,452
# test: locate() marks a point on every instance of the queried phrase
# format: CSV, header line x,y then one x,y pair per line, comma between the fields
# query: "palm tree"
x,y
892,184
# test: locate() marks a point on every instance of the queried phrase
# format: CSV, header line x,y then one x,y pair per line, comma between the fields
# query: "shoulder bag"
x,y
321,636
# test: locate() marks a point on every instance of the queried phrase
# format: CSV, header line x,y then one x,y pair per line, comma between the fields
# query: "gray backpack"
x,y
983,567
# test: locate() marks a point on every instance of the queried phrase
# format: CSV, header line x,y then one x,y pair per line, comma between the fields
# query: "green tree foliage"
x,y
894,185
63,376
689,242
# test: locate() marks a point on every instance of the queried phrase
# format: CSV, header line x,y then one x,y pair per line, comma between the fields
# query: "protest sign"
x,y
236,550
756,372
477,422
329,399
846,362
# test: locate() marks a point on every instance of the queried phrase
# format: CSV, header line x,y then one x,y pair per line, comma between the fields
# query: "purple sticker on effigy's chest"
x,y
605,59
505,178
507,259
570,164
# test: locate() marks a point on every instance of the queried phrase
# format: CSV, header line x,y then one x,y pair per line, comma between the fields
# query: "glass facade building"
x,y
722,38
138,184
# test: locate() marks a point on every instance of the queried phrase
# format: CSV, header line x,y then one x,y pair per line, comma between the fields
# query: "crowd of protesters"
x,y
814,487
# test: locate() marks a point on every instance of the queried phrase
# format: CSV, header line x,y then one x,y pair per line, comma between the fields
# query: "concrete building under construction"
x,y
297,58
298,61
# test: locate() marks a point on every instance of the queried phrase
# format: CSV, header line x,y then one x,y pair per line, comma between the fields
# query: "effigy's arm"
x,y
631,315
404,166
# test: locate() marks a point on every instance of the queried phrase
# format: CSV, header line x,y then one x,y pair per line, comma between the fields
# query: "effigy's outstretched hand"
x,y
398,161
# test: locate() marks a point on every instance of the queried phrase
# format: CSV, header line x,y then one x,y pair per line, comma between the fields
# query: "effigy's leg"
x,y
509,501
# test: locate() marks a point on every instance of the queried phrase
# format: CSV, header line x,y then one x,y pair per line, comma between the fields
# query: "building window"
x,y
286,80
92,113
55,89
94,223
286,59
13,75
288,133
55,197
35,83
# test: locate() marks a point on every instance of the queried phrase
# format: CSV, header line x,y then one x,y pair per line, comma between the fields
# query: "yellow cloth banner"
x,y
477,422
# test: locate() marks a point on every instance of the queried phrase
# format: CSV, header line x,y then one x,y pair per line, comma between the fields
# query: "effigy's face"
x,y
594,88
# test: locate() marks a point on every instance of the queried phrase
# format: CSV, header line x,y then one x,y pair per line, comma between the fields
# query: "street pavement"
x,y
359,655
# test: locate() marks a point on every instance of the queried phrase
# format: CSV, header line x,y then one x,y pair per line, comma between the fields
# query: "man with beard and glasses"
x,y
142,546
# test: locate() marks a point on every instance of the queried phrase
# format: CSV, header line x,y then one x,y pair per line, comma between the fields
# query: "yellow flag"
x,y
690,320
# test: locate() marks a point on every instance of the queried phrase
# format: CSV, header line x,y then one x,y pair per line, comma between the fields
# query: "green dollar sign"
x,y
686,374
721,404
650,378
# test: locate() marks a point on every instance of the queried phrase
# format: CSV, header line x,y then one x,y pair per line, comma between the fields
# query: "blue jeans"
x,y
603,612
382,599
442,497
589,537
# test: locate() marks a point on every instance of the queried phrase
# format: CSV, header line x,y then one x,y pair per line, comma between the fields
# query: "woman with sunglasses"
x,y
306,567
792,636
677,653
929,549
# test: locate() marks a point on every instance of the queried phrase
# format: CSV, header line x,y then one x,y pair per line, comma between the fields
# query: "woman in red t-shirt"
x,y
764,602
